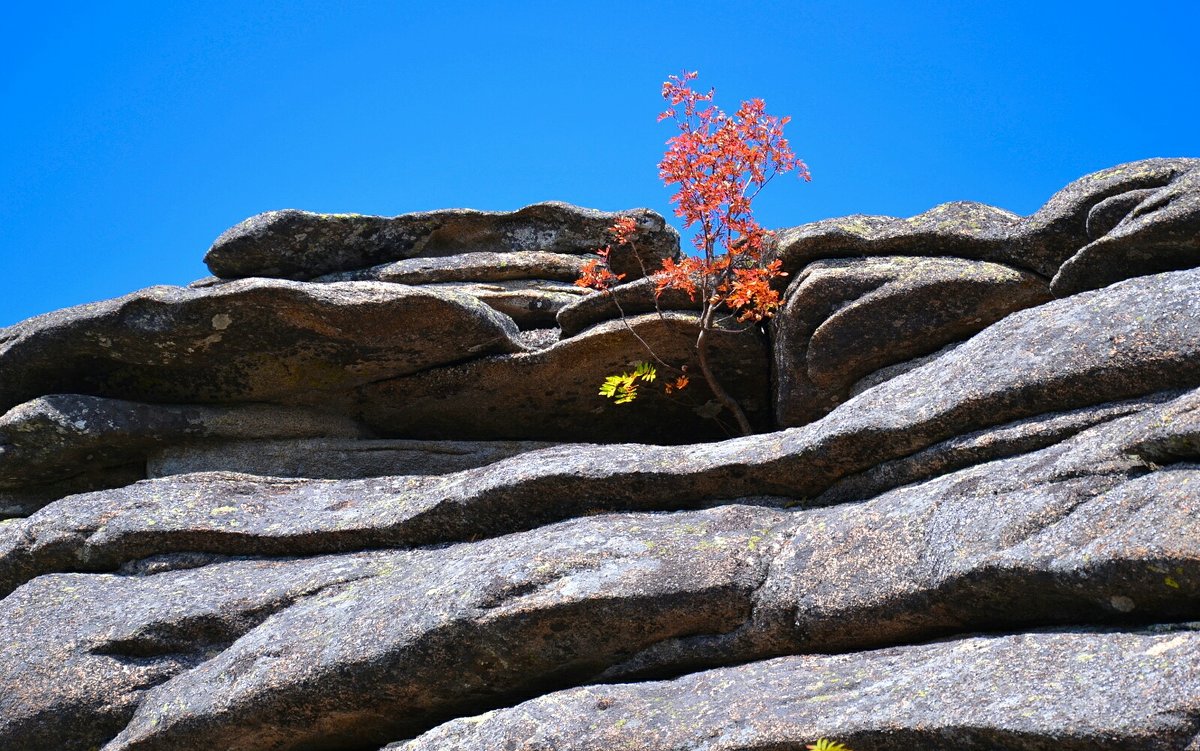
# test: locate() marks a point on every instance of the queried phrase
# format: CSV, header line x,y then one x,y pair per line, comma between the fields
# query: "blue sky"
x,y
132,134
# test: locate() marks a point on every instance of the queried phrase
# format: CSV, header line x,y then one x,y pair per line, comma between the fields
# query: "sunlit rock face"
x,y
358,491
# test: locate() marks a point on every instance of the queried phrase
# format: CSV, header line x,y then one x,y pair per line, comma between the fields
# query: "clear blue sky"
x,y
134,133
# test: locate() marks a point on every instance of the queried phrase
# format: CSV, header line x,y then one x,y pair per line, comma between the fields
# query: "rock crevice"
x,y
358,491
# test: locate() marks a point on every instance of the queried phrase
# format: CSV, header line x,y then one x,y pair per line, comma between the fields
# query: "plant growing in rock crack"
x,y
720,163
825,744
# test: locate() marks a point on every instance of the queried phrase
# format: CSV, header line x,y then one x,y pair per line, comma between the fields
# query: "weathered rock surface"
x,y
987,460
846,318
532,303
482,266
51,439
333,458
301,245
366,661
551,394
1158,230
1083,531
26,499
74,680
1085,691
531,287
253,340
1136,338
629,299
977,447
1039,243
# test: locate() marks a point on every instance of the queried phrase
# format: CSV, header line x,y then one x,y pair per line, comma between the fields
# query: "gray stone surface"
x,y
1139,337
1157,230
1077,690
1039,243
846,318
552,394
481,266
301,245
80,652
1032,475
532,303
26,499
1085,531
977,447
253,340
631,299
333,458
52,439
461,627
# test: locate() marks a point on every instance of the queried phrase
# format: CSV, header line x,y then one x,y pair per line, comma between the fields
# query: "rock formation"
x,y
357,491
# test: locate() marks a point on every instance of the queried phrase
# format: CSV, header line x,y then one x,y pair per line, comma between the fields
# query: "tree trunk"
x,y
727,401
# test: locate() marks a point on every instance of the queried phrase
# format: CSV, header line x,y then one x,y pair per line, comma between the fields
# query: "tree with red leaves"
x,y
719,163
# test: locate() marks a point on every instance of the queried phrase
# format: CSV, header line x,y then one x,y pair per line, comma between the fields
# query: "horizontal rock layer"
x,y
1069,690
294,244
252,340
981,532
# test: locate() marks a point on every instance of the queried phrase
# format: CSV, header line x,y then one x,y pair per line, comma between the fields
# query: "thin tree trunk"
x,y
720,393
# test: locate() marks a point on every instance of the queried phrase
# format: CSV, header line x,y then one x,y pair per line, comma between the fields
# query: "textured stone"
x,y
1139,337
301,245
629,299
964,229
480,266
1039,243
977,447
1157,230
846,318
1086,531
51,439
336,458
1038,473
458,628
551,394
25,500
81,651
253,340
532,303
1078,690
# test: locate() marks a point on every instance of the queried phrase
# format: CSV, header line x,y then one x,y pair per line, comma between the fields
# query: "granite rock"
x,y
1078,690
335,458
293,244
551,394
255,340
52,439
846,318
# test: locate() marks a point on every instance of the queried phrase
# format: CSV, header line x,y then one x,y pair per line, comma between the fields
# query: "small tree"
x,y
720,165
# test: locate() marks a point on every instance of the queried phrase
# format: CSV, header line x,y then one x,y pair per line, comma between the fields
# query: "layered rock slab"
x,y
81,651
847,318
480,266
1140,336
552,394
629,299
1039,243
1085,531
295,244
460,627
1078,690
335,459
1135,233
79,442
251,340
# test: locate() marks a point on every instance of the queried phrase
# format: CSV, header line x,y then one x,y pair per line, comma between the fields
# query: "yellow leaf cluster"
x,y
623,388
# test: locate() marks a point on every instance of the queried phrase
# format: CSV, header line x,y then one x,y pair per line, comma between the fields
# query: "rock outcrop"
x,y
378,504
